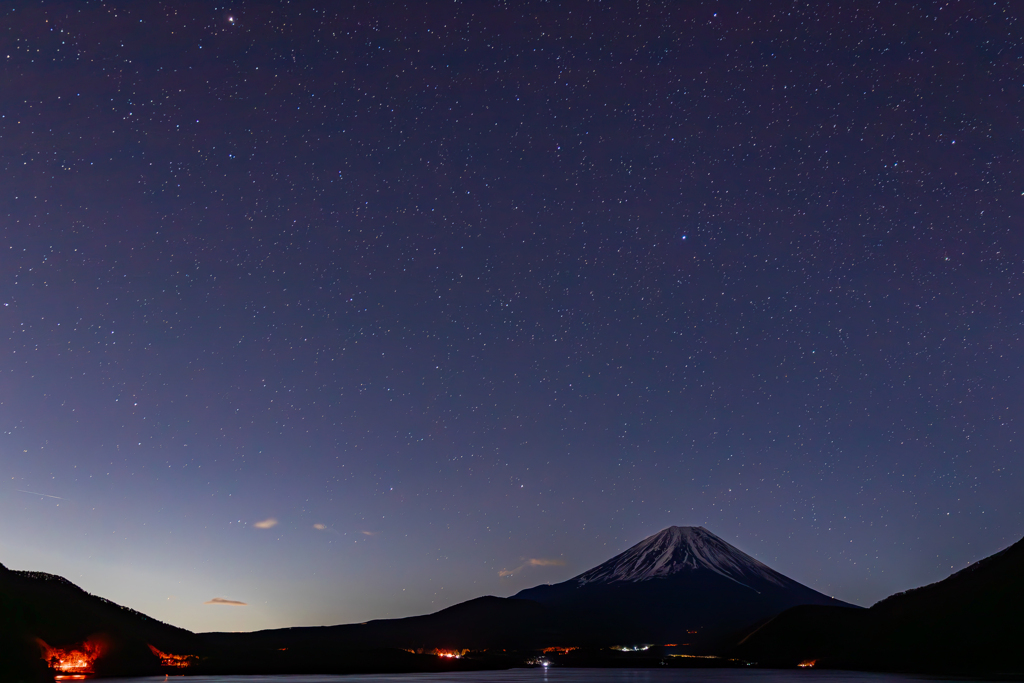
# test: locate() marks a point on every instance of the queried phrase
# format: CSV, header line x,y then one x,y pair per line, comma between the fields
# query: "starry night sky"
x,y
456,298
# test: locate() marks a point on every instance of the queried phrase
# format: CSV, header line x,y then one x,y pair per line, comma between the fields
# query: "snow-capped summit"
x,y
682,585
679,549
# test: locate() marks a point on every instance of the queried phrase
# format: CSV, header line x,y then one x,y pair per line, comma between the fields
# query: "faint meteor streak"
x,y
47,495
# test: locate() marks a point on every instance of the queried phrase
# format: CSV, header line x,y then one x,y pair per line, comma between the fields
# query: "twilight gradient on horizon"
x,y
359,310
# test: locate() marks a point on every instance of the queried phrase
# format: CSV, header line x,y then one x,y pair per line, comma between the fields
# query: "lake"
x,y
569,675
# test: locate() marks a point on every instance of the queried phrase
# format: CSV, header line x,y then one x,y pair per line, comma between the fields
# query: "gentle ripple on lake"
x,y
569,675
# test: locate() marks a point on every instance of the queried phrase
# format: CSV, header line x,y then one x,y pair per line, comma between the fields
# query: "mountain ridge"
x,y
682,585
967,622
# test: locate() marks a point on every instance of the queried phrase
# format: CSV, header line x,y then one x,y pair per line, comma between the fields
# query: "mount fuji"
x,y
683,585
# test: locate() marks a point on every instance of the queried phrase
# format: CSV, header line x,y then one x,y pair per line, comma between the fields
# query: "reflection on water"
x,y
568,675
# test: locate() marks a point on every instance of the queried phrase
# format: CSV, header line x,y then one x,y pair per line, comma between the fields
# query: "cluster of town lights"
x,y
174,661
80,661
74,662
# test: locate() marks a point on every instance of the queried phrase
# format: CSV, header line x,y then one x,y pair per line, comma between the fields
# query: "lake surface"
x,y
569,675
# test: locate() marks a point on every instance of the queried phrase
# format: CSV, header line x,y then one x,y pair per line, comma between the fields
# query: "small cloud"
x,y
532,562
537,562
225,601
320,527
369,533
268,523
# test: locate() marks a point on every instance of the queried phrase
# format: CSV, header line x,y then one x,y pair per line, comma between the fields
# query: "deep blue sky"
x,y
489,287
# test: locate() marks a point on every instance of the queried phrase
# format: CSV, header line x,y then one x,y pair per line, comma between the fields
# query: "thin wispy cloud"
x,y
545,563
532,562
369,533
269,523
225,601
320,527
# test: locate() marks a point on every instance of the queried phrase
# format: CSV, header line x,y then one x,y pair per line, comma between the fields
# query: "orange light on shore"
x,y
174,661
807,663
449,654
77,662
558,650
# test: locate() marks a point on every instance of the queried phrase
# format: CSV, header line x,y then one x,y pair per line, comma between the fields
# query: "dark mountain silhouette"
x,y
683,585
970,622
47,620
43,607
477,624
